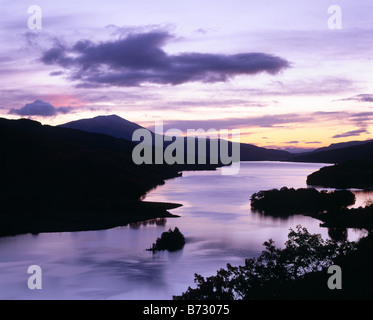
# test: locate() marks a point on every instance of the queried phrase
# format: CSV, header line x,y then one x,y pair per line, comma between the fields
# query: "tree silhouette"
x,y
170,240
263,276
287,201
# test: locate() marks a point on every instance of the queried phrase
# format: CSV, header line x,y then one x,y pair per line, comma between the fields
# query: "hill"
x,y
250,152
345,175
341,145
118,127
59,179
353,166
338,155
112,125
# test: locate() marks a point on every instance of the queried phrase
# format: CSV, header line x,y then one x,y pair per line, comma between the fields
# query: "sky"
x,y
289,74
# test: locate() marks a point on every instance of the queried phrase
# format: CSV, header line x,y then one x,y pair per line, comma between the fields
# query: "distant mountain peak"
x,y
341,145
110,116
112,125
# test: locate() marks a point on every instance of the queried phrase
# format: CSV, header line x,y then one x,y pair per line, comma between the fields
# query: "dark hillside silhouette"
x,y
351,174
57,179
112,125
351,153
353,166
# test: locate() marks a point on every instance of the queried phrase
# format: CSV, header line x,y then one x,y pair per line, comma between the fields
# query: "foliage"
x,y
170,240
303,200
303,253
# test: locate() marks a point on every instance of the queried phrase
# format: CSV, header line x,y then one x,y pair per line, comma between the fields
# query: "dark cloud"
x,y
361,119
139,58
64,110
313,142
361,98
40,108
292,142
56,73
362,115
353,133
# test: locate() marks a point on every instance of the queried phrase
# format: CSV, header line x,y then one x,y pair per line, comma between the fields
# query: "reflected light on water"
x,y
215,218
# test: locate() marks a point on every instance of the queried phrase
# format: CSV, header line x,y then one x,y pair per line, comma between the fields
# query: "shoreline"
x,y
124,213
78,221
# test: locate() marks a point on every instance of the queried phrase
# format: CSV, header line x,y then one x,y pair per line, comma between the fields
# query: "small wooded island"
x,y
170,240
300,201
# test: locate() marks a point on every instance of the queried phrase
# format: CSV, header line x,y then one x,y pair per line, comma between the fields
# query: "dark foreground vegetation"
x,y
359,218
296,271
59,179
299,270
170,240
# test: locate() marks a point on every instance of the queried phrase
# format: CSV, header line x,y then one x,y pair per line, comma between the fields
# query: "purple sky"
x,y
271,68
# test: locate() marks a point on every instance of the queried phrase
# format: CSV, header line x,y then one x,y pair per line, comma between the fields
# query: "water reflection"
x,y
216,220
338,234
151,222
363,198
283,216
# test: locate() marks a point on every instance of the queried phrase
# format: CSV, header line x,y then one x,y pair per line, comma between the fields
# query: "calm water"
x,y
113,264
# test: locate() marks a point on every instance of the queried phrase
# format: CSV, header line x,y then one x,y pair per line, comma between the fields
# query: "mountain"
x,y
118,127
112,125
250,152
341,145
345,175
361,151
353,165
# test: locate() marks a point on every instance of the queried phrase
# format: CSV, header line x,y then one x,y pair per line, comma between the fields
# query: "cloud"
x,y
56,73
287,120
292,142
213,103
360,98
40,108
362,114
139,58
350,133
309,86
266,121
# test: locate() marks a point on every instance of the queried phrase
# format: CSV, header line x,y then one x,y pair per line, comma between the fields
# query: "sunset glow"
x,y
276,71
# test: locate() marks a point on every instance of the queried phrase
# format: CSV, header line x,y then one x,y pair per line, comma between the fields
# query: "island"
x,y
170,240
288,201
329,207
